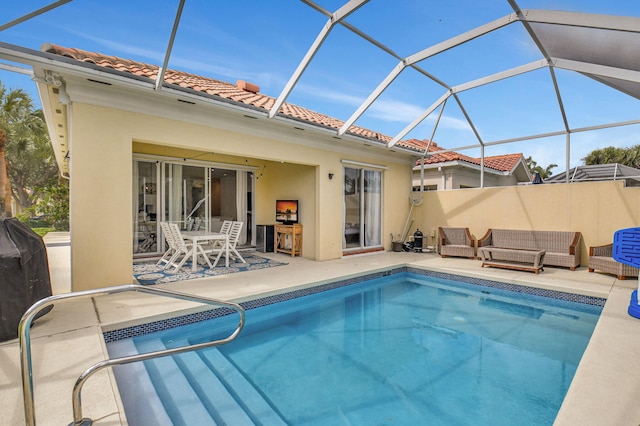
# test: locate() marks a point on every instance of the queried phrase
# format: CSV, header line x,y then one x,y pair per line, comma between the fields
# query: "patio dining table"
x,y
199,237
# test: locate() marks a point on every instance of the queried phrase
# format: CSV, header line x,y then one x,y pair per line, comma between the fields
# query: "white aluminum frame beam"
x,y
502,75
466,116
532,66
462,38
172,37
17,69
418,120
335,18
33,14
422,55
601,70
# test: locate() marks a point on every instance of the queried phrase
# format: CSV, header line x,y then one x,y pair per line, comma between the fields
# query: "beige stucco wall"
x,y
596,209
102,144
457,177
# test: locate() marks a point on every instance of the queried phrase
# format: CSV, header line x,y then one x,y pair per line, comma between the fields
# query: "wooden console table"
x,y
295,232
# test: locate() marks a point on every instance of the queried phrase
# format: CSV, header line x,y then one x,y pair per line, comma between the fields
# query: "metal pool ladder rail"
x,y
25,343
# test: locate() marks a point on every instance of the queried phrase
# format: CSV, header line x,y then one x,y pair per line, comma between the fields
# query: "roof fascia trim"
x,y
87,69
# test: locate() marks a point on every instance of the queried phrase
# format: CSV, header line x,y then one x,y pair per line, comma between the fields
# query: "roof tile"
x,y
233,92
209,86
503,163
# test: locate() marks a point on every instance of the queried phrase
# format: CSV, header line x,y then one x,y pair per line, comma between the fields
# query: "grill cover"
x,y
24,274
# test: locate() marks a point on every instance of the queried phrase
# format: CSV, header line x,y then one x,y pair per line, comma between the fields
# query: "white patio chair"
x,y
226,226
184,248
234,236
171,242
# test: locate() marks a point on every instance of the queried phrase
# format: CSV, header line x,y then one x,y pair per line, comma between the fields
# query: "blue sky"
x,y
263,42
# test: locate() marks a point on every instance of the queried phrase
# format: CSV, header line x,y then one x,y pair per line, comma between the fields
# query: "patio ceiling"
x,y
604,48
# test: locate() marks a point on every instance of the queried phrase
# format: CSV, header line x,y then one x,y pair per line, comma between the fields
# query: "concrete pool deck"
x,y
68,340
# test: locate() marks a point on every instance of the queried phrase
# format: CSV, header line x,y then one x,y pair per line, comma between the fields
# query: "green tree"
x,y
54,203
534,168
604,156
631,157
5,188
17,123
32,165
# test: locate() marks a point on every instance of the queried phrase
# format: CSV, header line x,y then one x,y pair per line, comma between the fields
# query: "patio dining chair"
x,y
224,229
184,248
171,242
234,236
226,226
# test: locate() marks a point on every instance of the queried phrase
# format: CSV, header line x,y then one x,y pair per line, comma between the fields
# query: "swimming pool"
x,y
407,348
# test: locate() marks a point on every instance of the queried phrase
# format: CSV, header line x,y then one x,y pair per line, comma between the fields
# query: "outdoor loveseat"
x,y
456,242
530,250
601,258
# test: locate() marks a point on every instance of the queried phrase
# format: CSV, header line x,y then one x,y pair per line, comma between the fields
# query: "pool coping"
x,y
195,317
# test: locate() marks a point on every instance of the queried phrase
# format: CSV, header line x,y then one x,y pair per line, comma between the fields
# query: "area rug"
x,y
150,273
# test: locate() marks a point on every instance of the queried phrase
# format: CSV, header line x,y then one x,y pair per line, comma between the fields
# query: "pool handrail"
x,y
24,335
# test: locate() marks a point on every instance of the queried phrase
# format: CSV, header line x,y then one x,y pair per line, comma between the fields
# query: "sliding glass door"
x,y
186,191
146,204
362,208
196,196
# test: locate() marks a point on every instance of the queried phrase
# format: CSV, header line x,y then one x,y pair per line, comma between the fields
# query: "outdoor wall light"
x,y
330,176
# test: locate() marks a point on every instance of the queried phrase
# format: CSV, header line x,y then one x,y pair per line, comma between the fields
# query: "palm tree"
x,y
544,172
5,188
631,157
604,156
16,123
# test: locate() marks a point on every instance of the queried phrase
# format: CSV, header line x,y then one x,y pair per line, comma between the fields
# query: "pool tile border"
x,y
155,326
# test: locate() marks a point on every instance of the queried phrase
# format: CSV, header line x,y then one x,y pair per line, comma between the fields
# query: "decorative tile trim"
x,y
552,294
155,326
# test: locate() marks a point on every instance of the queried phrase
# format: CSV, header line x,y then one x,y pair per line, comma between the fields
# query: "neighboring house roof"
x,y
599,172
506,163
242,92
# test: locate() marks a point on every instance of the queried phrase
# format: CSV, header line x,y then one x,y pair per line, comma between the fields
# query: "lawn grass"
x,y
42,231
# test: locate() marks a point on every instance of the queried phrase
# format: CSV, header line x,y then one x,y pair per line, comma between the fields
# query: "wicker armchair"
x,y
601,258
456,242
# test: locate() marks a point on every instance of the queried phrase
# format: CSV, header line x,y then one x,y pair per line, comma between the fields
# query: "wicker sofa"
x,y
456,242
601,258
562,248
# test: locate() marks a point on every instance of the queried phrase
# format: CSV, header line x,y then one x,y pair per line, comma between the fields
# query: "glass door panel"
x,y
186,190
145,207
352,202
362,208
372,203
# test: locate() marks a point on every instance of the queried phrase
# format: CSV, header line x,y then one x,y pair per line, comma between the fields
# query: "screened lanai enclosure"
x,y
552,80
471,75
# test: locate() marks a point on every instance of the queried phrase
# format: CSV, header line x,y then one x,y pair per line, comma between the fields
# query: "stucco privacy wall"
x,y
102,146
596,209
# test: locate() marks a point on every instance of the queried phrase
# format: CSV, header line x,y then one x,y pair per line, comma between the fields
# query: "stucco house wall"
x,y
104,139
460,177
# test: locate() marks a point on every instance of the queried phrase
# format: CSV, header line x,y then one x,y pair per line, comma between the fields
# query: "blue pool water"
x,y
405,349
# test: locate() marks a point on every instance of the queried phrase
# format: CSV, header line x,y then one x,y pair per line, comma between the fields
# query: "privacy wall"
x,y
596,209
